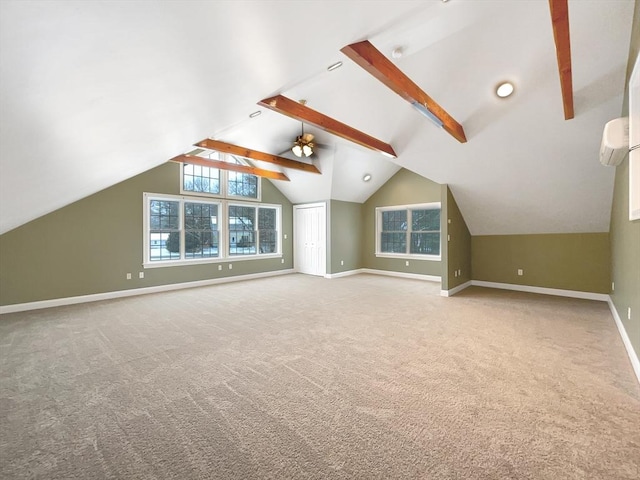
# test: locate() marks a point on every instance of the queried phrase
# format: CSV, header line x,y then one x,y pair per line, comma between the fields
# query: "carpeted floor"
x,y
291,377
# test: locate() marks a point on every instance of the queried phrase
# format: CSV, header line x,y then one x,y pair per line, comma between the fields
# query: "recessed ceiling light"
x,y
504,89
255,114
334,66
367,177
397,52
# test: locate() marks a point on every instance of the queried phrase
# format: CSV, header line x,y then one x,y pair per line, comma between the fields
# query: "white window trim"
x,y
223,214
412,256
224,184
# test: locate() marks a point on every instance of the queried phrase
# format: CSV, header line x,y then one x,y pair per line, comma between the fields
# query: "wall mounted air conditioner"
x,y
615,142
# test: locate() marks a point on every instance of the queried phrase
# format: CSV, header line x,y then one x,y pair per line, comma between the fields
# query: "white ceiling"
x,y
93,93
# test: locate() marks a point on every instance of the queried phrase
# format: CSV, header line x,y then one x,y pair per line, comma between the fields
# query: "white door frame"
x,y
297,247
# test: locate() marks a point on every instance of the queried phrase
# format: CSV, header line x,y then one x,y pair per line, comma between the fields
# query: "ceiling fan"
x,y
303,146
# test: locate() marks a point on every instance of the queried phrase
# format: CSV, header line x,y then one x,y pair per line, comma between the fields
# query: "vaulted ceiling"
x,y
93,93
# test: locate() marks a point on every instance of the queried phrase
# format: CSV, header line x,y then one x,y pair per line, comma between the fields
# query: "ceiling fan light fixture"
x,y
304,143
297,150
504,89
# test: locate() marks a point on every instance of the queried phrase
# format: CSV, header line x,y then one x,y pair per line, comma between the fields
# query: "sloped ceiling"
x,y
92,93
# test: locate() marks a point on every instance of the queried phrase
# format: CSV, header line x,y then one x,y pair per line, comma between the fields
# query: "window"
x,y
246,237
242,234
408,231
268,230
201,230
211,181
186,230
164,220
242,185
196,178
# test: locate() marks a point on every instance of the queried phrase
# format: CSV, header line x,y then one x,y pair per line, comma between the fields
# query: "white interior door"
x,y
310,242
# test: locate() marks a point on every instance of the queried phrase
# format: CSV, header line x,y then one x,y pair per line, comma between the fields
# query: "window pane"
x,y
164,246
394,220
266,219
393,242
201,235
425,243
201,179
242,235
268,241
425,220
242,242
242,185
201,244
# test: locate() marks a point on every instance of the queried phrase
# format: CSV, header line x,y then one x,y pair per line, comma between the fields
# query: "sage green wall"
x,y
89,246
404,188
625,235
571,261
458,251
345,236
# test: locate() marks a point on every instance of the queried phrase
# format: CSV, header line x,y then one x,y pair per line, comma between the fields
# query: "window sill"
x,y
231,259
430,258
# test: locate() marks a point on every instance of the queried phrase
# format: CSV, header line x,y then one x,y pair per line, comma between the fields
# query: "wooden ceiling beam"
x,y
244,152
298,111
560,22
373,61
195,160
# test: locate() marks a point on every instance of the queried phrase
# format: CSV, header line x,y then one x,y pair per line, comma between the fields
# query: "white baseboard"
x,y
391,273
347,273
21,307
635,362
603,297
454,290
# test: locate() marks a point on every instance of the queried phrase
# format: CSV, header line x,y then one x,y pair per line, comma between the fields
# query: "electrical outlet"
x,y
285,236
520,272
406,263
629,313
140,274
613,286
449,220
448,238
219,267
282,260
455,273
230,266
128,276
460,272
341,262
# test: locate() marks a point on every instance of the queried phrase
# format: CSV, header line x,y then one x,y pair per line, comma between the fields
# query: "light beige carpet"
x,y
301,377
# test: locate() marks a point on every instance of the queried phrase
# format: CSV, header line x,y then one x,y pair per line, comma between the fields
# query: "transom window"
x,y
408,231
184,230
211,181
196,178
242,185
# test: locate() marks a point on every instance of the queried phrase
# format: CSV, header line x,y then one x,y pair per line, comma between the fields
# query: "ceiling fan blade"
x,y
244,152
374,62
195,160
290,108
560,22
